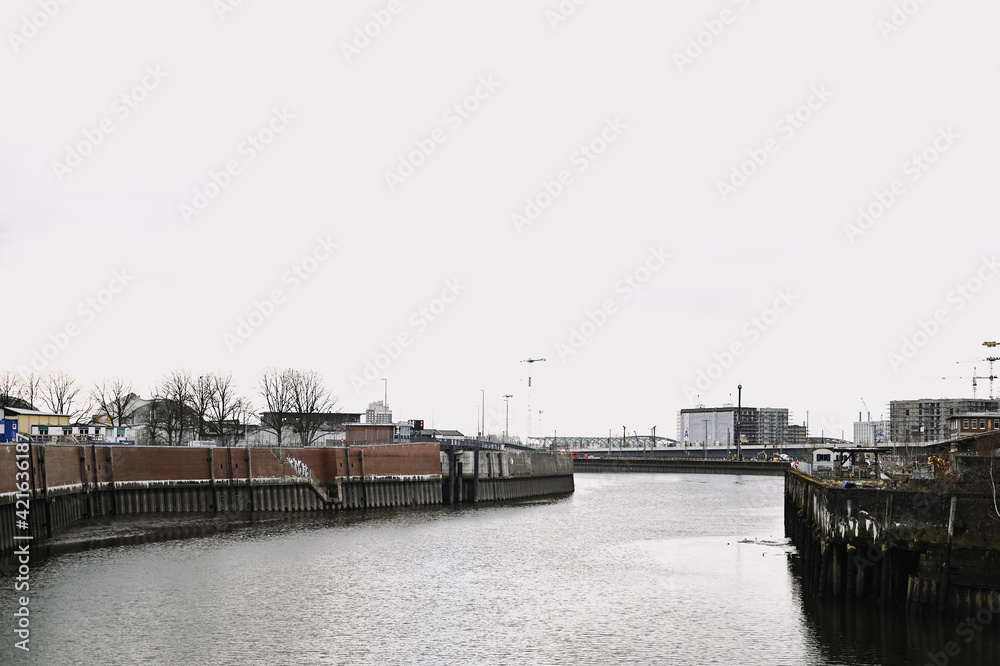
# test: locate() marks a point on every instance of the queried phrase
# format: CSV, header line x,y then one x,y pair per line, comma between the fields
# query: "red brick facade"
x,y
64,467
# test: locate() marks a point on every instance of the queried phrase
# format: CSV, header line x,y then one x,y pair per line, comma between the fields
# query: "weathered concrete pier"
x,y
44,488
479,474
927,553
688,465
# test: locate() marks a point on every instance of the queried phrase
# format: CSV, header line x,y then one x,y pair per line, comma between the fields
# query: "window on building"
x,y
822,457
43,430
982,424
965,423
67,430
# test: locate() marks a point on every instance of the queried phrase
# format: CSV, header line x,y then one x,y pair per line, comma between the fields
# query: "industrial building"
x,y
870,433
378,413
34,422
926,420
974,423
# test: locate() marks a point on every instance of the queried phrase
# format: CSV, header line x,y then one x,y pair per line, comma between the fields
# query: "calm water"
x,y
638,568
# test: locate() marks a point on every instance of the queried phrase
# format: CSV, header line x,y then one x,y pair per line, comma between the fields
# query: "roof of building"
x,y
978,415
31,412
441,433
861,449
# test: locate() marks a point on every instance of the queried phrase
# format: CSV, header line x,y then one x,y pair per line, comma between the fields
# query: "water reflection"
x,y
644,568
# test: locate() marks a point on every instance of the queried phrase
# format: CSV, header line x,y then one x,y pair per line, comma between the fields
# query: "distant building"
x,y
362,434
773,426
973,423
8,427
404,432
797,436
428,434
926,419
34,422
716,426
332,429
378,414
871,433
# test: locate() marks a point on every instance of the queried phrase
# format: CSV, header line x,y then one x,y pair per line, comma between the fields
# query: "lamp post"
x,y
385,393
482,397
739,410
506,422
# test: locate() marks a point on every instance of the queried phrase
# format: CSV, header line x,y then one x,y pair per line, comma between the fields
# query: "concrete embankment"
x,y
507,474
44,488
693,466
927,553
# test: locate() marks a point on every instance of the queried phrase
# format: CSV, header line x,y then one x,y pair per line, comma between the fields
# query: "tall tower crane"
x,y
974,377
529,361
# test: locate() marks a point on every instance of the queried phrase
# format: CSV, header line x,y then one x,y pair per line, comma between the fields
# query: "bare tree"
x,y
311,401
115,399
154,418
202,395
10,389
171,407
275,387
61,394
225,407
31,388
245,413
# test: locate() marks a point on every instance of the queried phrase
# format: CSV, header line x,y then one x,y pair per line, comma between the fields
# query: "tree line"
x,y
182,406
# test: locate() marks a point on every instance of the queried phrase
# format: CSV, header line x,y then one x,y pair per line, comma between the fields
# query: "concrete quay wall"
x,y
675,465
924,552
507,474
53,486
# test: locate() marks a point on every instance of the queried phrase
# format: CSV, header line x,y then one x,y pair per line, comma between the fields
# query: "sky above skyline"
x,y
663,200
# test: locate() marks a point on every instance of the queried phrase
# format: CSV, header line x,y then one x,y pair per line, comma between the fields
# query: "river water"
x,y
631,568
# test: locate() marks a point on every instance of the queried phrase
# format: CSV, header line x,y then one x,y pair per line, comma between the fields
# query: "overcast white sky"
x,y
101,198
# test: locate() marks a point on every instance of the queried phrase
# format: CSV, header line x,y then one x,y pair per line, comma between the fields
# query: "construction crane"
x,y
990,376
868,411
974,377
529,361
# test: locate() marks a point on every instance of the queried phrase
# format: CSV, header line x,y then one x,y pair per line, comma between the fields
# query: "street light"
x,y
482,397
739,410
506,422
